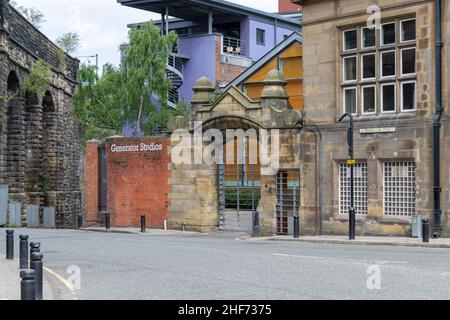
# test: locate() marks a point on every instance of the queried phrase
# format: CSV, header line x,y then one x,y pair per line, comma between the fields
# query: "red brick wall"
x,y
91,190
287,6
138,183
225,72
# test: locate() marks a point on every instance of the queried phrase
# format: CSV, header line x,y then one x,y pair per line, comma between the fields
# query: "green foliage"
x,y
245,198
62,57
216,95
39,78
33,15
44,182
69,42
124,94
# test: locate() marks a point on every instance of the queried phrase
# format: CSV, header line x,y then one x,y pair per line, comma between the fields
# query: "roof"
x,y
294,37
192,9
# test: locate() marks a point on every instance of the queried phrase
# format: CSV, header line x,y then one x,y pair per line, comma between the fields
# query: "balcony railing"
x,y
176,62
233,46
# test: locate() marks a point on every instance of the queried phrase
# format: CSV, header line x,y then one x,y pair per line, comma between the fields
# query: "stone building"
x,y
40,145
386,78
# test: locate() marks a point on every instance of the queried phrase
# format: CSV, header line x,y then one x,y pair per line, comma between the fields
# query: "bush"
x,y
245,198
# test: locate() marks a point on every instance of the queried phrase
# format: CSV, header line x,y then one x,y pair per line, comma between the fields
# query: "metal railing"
x,y
233,46
176,63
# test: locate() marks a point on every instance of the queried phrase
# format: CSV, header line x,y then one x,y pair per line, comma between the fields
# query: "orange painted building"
x,y
287,57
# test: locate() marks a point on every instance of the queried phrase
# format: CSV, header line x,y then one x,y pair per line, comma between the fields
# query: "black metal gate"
x,y
288,200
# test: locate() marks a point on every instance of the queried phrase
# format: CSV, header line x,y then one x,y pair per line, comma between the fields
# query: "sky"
x,y
102,24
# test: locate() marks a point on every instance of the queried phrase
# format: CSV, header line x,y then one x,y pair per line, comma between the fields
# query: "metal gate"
x,y
239,195
288,200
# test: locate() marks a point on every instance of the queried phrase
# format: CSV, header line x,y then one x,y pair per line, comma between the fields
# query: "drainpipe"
x,y
437,122
315,129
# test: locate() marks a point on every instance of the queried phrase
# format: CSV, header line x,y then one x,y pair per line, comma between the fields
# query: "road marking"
x,y
62,280
340,259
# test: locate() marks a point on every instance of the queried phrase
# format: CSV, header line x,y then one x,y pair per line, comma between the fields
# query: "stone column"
x,y
50,156
15,167
34,176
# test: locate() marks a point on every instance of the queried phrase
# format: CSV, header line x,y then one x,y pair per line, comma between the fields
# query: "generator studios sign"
x,y
142,147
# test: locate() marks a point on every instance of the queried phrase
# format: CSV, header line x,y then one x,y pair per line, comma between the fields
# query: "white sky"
x,y
102,24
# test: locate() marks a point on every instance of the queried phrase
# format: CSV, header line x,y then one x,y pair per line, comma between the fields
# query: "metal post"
x,y
36,265
425,230
28,285
296,227
9,244
107,221
351,163
256,227
23,251
143,224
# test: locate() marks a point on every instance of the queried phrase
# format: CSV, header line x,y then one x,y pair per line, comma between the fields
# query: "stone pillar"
x,y
15,167
203,91
50,157
34,177
92,182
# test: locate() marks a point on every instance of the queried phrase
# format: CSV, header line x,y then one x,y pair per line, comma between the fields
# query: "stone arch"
x,y
48,103
13,84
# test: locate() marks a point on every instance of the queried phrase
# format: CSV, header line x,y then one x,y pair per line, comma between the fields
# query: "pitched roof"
x,y
294,37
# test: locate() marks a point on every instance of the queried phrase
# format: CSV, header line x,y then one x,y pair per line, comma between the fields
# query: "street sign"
x,y
351,162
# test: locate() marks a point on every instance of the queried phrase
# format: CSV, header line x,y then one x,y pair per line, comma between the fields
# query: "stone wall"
x,y
40,140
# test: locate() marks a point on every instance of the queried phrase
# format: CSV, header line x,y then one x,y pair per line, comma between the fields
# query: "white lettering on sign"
x,y
377,130
153,147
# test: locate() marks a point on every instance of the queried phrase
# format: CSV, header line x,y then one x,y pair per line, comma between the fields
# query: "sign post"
x,y
351,163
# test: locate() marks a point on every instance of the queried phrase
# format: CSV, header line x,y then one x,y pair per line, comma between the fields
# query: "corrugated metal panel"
x,y
3,204
33,216
49,217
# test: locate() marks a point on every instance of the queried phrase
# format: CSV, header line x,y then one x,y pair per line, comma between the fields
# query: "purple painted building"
x,y
218,39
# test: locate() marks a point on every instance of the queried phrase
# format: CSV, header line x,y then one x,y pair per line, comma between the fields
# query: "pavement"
x,y
10,281
137,231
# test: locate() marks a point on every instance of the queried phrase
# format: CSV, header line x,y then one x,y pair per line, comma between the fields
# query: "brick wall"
x,y
225,72
137,182
92,182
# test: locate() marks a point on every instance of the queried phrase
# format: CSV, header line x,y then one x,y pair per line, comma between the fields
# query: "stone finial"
x,y
274,93
203,90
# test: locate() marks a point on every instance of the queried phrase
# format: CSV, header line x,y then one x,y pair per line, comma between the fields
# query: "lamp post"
x,y
351,162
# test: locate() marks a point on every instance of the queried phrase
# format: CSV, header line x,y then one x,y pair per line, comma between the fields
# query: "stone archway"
x,y
194,197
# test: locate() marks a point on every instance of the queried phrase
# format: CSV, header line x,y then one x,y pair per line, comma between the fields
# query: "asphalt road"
x,y
217,266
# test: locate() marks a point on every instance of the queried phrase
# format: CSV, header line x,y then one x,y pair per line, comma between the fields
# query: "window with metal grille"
x,y
399,188
360,188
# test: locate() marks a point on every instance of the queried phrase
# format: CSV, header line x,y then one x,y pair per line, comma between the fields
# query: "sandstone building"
x,y
40,145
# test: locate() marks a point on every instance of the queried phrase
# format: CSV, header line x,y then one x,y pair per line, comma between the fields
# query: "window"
x,y
388,97
368,37
383,71
368,66
408,61
350,42
260,36
369,99
408,30
350,68
399,188
388,63
360,188
388,34
408,96
350,100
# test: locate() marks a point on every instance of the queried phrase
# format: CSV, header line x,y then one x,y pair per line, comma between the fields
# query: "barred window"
x,y
360,188
399,188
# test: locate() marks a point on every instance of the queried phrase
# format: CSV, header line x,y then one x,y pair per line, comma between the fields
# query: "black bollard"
x,y
28,285
80,221
256,227
425,230
37,265
107,221
9,244
23,263
143,224
34,248
296,227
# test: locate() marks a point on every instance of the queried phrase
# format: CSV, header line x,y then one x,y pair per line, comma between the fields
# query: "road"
x,y
217,266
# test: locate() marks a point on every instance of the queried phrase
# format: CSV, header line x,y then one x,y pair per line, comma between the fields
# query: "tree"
x,y
69,42
33,15
125,94
39,78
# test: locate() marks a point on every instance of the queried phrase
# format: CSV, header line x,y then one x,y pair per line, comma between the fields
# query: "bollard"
x,y
425,230
107,221
296,227
143,224
34,248
28,285
23,263
80,221
36,265
9,244
256,227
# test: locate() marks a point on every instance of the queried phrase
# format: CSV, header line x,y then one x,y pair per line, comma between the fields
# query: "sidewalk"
x,y
10,281
149,232
376,241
